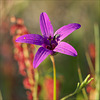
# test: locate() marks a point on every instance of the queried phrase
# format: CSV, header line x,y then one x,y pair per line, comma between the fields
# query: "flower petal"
x,y
41,54
66,30
31,39
65,48
45,25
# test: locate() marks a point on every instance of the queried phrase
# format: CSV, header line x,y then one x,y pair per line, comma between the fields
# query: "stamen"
x,y
56,36
49,38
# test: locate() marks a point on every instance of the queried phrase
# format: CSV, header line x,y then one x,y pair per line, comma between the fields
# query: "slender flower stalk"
x,y
54,74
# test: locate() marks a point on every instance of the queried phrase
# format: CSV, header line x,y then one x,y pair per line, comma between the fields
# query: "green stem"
x,y
80,86
54,73
81,80
97,66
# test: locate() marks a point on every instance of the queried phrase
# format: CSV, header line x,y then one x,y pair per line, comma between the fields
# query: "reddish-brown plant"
x,y
23,54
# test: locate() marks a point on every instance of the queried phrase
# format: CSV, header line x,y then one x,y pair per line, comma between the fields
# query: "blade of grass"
x,y
0,96
97,66
90,63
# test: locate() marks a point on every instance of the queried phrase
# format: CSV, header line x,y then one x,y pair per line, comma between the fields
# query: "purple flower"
x,y
50,42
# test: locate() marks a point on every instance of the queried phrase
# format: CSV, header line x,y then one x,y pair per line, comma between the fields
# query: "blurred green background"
x,y
60,12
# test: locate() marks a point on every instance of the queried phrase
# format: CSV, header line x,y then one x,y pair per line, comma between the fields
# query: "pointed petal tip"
x,y
34,66
77,26
75,55
20,39
17,40
43,12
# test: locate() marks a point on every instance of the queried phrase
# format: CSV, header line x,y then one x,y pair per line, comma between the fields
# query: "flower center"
x,y
50,43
